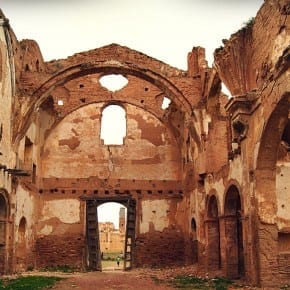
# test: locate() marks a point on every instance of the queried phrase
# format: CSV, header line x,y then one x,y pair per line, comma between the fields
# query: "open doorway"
x,y
112,230
234,234
95,254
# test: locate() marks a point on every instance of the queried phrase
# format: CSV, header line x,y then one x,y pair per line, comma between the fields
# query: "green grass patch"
x,y
192,282
111,256
28,283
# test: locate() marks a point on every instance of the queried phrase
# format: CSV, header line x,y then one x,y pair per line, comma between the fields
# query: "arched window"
x,y
113,125
21,231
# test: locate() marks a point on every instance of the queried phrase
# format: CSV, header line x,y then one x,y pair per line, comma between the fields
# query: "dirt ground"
x,y
109,280
138,279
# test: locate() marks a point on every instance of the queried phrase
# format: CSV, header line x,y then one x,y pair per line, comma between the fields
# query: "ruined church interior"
x,y
204,175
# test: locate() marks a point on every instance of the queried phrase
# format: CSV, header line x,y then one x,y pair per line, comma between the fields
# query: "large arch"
x,y
267,159
270,261
159,74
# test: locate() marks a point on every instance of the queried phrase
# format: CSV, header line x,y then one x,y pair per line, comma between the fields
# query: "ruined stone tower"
x,y
122,220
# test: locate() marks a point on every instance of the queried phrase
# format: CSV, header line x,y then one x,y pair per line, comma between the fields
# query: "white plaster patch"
x,y
236,170
219,188
154,211
66,210
281,42
283,195
25,206
46,230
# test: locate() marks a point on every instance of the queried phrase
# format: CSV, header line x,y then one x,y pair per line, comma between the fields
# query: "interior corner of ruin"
x,y
203,175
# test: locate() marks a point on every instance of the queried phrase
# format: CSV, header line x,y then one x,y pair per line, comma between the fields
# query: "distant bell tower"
x,y
122,220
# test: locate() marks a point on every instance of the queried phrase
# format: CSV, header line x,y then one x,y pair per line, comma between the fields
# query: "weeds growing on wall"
x,y
249,23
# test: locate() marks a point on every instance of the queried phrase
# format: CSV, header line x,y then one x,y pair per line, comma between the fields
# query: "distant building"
x,y
111,239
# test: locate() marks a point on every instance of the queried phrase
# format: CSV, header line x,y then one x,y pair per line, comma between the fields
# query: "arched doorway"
x,y
92,231
194,242
21,246
213,256
3,225
234,251
112,230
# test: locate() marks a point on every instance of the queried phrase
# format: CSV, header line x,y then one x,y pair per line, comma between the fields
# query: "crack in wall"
x,y
110,162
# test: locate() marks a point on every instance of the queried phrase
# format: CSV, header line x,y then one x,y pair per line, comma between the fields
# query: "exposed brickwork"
x,y
159,249
2,260
284,267
53,251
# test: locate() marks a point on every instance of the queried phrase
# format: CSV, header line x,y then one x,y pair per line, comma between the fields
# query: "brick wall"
x,y
284,266
53,251
160,249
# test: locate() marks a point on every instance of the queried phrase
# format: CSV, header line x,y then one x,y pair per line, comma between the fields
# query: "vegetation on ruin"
x,y
111,256
249,23
28,283
193,282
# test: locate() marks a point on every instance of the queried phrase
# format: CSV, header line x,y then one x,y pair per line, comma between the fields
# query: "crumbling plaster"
x,y
283,195
25,207
77,138
154,216
6,156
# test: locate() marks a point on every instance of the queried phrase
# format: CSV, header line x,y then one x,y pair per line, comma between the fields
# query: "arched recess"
x,y
233,234
21,245
194,241
212,230
271,232
267,159
3,231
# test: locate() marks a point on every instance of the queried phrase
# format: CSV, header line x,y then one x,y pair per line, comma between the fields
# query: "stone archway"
x,y
273,235
233,234
212,229
3,231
